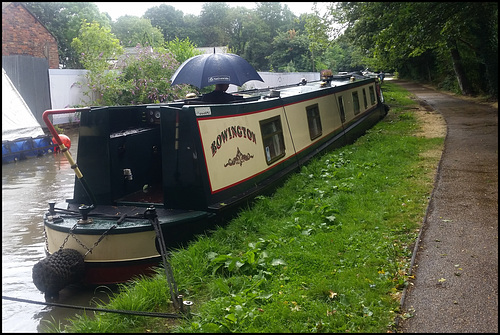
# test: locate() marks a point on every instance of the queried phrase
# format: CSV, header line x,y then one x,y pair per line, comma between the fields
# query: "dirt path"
x,y
456,266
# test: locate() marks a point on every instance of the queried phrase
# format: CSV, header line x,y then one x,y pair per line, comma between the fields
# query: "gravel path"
x,y
455,289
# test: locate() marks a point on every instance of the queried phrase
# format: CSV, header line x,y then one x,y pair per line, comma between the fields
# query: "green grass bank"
x,y
329,251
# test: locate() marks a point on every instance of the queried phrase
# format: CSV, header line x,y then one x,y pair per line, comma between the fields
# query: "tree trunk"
x,y
463,82
487,42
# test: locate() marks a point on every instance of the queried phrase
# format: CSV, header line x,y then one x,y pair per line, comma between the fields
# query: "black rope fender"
x,y
96,309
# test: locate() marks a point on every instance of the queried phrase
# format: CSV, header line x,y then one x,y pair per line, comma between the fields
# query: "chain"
x,y
46,239
99,240
67,237
89,250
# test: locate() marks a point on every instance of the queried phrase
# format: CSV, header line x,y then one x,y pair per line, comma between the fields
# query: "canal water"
x,y
27,188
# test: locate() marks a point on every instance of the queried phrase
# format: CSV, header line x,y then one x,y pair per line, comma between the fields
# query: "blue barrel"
x,y
11,151
7,155
42,144
27,147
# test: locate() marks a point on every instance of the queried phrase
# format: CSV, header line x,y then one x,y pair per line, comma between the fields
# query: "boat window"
x,y
272,138
355,101
341,108
364,98
314,121
372,95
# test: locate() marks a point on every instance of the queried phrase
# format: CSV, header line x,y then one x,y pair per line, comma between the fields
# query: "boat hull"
x,y
117,251
109,273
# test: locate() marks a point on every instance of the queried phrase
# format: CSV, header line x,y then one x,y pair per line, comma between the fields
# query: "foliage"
x,y
217,34
256,44
317,31
180,49
428,40
63,20
290,47
167,19
133,31
143,77
451,45
271,19
96,47
239,17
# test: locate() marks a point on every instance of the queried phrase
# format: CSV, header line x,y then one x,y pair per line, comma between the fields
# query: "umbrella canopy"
x,y
209,69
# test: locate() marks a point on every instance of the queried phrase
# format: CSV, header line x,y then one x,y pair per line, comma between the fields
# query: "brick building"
x,y
24,34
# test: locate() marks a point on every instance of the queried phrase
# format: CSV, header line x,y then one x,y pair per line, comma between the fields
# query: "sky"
x,y
117,9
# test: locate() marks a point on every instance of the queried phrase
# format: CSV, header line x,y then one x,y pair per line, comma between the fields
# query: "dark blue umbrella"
x,y
209,69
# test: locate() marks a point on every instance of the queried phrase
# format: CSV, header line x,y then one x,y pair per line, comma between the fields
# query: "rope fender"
x,y
58,270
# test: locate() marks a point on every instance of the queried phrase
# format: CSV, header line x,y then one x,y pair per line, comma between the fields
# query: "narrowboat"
x,y
181,168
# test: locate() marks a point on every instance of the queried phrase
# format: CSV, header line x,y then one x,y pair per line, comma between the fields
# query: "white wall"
x,y
66,91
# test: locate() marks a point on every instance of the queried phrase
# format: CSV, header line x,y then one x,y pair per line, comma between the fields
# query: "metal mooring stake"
x,y
174,294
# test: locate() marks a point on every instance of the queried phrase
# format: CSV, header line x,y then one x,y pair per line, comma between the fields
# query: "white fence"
x,y
66,90
67,87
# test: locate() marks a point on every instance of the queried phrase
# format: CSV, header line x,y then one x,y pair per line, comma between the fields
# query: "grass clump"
x,y
327,252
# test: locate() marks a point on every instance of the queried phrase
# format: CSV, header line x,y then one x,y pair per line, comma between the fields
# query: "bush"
x,y
144,79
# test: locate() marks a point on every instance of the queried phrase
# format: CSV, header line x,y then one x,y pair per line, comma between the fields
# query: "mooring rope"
x,y
95,309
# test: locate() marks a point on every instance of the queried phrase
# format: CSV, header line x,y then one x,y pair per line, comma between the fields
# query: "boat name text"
x,y
230,133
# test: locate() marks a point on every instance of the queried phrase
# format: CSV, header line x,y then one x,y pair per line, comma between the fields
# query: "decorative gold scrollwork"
x,y
238,159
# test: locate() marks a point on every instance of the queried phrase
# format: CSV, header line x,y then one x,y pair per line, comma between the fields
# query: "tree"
x,y
274,17
144,77
215,16
291,52
450,36
168,19
257,45
271,20
132,30
63,20
180,49
316,30
238,18
193,29
96,47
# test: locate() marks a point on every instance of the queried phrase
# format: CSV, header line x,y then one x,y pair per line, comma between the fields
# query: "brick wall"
x,y
23,34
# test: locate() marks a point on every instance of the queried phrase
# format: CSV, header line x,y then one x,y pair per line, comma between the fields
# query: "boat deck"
x,y
151,195
126,218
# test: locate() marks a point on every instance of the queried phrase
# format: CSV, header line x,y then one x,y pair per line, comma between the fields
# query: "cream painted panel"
x,y
297,117
114,247
233,147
